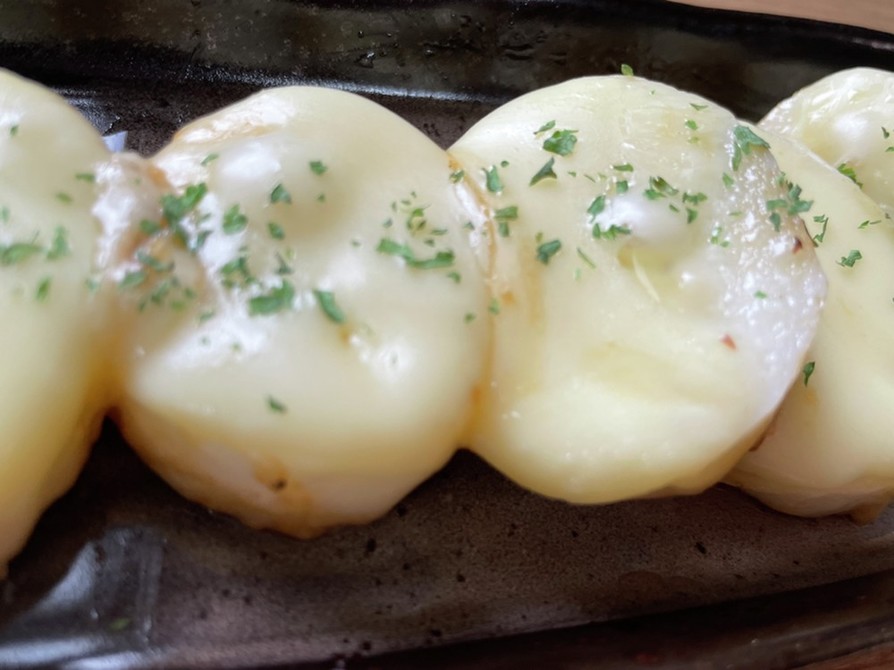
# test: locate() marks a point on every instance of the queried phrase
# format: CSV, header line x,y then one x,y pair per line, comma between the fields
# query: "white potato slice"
x,y
316,357
52,393
847,119
830,448
651,313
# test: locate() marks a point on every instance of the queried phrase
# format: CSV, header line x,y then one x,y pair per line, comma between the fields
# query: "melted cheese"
x,y
52,392
318,354
830,449
648,352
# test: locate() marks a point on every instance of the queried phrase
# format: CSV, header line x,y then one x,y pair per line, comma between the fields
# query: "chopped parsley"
x,y
549,125
868,223
596,207
149,227
280,194
760,295
623,167
43,289
277,299
744,140
807,371
791,203
87,177
692,125
609,233
820,236
275,405
176,208
132,279
18,252
234,221
547,250
441,259
59,246
492,180
326,301
153,263
561,142
586,259
697,107
63,197
659,188
14,130
275,230
494,306
851,259
457,176
727,180
209,158
626,70
4,214
236,272
622,186
503,216
317,167
545,172
850,173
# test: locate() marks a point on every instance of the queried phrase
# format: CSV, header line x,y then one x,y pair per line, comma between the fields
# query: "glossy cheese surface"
x,y
651,308
847,119
830,449
51,390
305,341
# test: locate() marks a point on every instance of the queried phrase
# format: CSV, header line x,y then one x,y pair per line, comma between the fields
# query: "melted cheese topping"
x,y
651,316
316,356
52,393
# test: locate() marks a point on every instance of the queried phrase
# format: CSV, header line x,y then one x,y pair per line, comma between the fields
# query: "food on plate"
x,y
304,316
52,389
654,288
847,119
829,450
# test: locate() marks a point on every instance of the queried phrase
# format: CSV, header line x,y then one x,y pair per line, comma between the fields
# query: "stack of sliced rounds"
x,y
654,288
306,329
52,393
830,450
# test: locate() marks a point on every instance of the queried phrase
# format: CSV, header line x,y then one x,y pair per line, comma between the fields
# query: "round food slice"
x,y
306,331
52,390
830,449
847,119
654,288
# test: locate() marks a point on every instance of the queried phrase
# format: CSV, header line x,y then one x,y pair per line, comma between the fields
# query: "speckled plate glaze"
x,y
469,571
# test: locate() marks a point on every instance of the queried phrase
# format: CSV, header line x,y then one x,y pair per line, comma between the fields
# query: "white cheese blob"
x,y
653,308
52,393
830,449
306,330
847,119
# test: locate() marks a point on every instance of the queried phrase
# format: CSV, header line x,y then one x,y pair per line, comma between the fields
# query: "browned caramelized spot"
x,y
507,298
797,246
475,395
728,342
278,485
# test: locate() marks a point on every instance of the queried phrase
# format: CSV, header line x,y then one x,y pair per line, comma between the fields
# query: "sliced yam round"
x,y
52,389
654,289
830,449
306,339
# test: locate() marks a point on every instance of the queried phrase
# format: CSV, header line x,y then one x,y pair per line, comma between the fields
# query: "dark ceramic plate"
x,y
469,571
